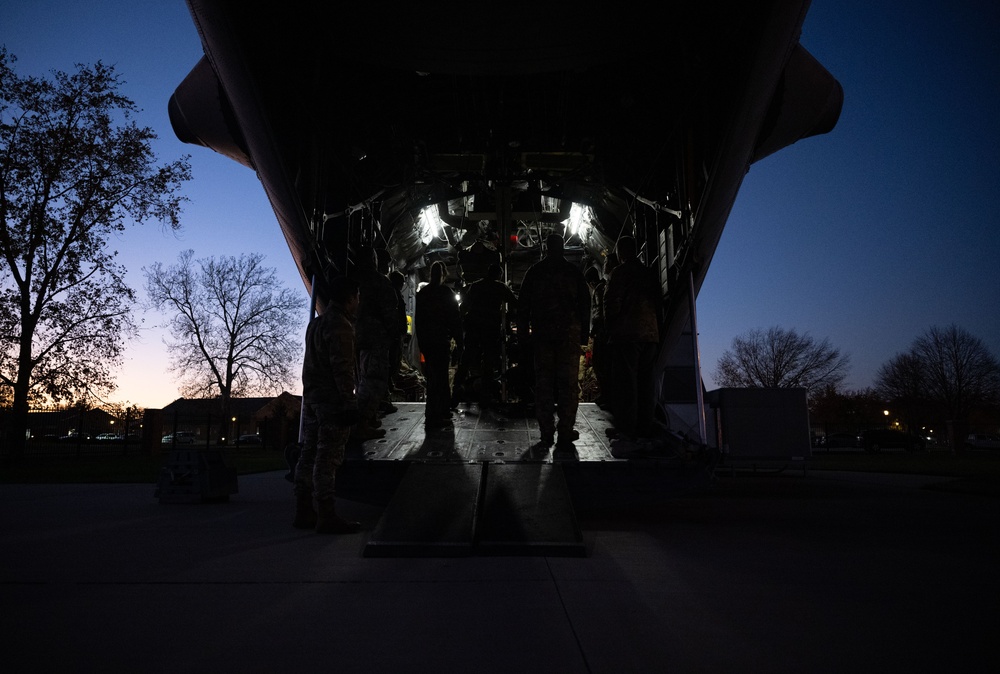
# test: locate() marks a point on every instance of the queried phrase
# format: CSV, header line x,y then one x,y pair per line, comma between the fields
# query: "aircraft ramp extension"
x,y
463,509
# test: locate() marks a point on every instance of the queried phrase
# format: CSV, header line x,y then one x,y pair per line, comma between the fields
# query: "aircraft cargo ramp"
x,y
486,487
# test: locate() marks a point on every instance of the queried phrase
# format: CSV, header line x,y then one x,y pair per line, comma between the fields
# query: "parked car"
x,y
183,438
982,441
888,438
843,440
249,440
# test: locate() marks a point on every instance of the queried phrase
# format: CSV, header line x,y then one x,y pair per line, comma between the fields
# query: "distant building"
x,y
274,420
70,421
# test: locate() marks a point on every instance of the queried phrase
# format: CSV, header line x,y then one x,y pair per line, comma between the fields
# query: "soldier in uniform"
x,y
437,322
397,281
376,328
483,322
553,313
630,305
599,331
329,409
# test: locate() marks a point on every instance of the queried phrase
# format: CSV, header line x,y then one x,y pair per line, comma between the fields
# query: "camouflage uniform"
x,y
630,305
377,327
554,302
482,311
396,345
328,390
601,357
437,322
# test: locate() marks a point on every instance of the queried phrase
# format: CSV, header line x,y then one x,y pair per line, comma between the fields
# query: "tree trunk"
x,y
226,425
19,409
22,386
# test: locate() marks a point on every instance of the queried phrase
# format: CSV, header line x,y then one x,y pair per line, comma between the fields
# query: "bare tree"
x,y
959,372
778,358
902,381
232,324
74,169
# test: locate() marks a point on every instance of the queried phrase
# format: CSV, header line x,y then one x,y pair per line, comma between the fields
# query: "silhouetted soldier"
x,y
437,323
553,312
630,304
485,325
376,327
396,280
601,356
602,350
474,261
329,409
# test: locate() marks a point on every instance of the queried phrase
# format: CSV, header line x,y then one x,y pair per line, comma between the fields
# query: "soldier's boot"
x,y
305,514
567,438
329,522
364,431
367,428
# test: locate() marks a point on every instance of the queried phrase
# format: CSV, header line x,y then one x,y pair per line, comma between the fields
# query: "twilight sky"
x,y
866,236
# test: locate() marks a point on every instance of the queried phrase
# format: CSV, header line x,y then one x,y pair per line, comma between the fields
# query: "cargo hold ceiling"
x,y
503,116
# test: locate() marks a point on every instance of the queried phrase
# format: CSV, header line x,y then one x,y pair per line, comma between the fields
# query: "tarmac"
x,y
759,572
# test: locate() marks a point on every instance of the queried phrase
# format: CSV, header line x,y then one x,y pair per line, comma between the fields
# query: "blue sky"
x,y
873,233
866,236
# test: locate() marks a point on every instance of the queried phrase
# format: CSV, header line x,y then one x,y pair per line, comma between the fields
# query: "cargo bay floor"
x,y
492,434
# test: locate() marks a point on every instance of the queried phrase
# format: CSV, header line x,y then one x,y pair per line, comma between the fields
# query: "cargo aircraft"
x,y
440,131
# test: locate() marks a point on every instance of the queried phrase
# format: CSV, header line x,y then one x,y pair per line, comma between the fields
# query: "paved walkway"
x,y
786,573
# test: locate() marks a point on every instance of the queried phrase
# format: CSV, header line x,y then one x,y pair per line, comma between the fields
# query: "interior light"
x,y
430,223
580,220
